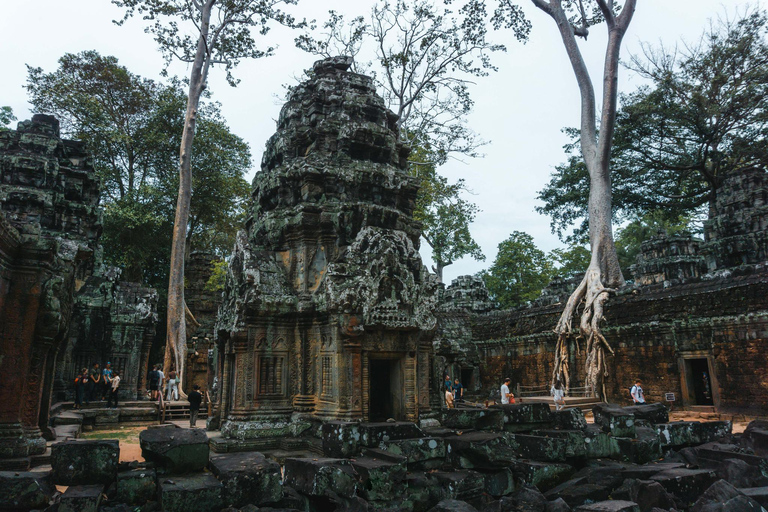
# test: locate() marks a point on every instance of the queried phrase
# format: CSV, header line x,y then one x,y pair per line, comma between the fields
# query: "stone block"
x,y
547,449
610,506
599,444
614,419
373,434
691,433
740,473
453,506
481,450
569,419
419,490
85,462
723,497
646,471
321,477
190,493
527,499
248,477
379,479
175,450
653,413
81,498
686,484
424,453
25,490
543,475
525,417
341,439
756,437
759,494
645,447
558,505
137,486
575,441
473,419
500,482
646,493
460,485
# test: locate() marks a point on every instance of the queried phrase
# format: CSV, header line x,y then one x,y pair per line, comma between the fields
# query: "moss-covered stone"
x,y
191,493
482,450
575,441
525,417
614,419
81,498
137,486
321,477
645,447
175,450
380,480
475,419
248,477
686,484
543,475
549,449
423,453
25,490
85,462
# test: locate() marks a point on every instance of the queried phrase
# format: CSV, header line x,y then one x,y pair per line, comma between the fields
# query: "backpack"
x,y
154,377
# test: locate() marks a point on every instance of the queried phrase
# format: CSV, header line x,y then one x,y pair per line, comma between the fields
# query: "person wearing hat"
x,y
106,381
195,399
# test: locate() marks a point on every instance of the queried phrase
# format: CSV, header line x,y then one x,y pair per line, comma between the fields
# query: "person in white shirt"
x,y
114,384
558,393
637,392
505,393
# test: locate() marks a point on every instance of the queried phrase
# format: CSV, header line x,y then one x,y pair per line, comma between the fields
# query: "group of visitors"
x,y
454,392
97,385
158,381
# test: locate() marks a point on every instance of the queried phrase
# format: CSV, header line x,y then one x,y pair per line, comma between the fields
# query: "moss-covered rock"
x,y
248,477
321,477
25,490
137,486
175,450
190,493
81,498
85,462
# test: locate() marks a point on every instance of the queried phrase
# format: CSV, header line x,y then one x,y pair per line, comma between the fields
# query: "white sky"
x,y
520,109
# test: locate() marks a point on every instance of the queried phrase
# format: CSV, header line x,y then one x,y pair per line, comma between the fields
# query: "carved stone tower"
x,y
328,309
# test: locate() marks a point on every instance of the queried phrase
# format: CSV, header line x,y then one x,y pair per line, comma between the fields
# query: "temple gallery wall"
x,y
328,311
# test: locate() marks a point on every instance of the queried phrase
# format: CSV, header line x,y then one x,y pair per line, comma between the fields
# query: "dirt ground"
x,y
128,437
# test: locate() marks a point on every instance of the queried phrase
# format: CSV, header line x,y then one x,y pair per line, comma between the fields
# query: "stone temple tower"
x,y
328,309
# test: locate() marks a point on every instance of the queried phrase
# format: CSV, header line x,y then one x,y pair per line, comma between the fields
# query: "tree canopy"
x,y
703,116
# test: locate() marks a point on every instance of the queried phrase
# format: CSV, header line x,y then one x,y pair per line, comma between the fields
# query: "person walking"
x,y
80,382
172,387
195,399
558,394
106,377
161,377
458,391
154,382
113,390
638,397
506,396
448,392
94,383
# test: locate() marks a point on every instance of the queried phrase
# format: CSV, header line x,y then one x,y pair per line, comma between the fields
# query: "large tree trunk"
x,y
176,344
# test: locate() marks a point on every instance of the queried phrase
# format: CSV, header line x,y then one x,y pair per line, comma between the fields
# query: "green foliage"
x,y
218,277
133,129
702,117
572,261
6,117
629,238
519,272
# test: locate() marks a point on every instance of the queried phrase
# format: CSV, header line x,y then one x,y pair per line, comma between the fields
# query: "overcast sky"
x,y
520,109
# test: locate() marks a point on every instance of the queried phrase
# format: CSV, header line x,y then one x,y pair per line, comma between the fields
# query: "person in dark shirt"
x,y
80,383
458,391
94,384
195,399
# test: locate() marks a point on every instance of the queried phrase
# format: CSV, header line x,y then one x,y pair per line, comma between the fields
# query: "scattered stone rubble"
x,y
507,458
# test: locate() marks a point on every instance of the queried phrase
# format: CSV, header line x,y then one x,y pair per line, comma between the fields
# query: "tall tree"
x,y
6,117
702,117
223,35
603,274
424,59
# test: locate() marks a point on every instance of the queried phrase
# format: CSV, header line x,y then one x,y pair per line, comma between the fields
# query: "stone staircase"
x,y
179,410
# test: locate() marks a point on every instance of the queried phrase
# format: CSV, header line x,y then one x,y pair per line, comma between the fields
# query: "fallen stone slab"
x,y
614,419
723,497
453,506
419,490
190,493
543,475
759,494
482,450
474,419
81,498
644,447
248,478
569,419
599,444
646,493
380,480
558,505
424,453
686,484
499,483
575,441
691,433
578,491
605,473
321,477
610,506
740,473
25,490
85,462
100,417
175,450
137,486
646,471
547,449
525,417
459,485
653,413
373,433
755,437
341,439
527,499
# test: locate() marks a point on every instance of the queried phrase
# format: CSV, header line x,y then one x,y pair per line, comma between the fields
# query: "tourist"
x,y
458,391
195,399
506,396
160,380
106,377
448,392
94,383
173,387
114,384
637,392
154,382
80,381
558,394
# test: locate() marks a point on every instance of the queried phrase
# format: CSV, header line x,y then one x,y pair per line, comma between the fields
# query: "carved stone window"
x,y
327,376
271,375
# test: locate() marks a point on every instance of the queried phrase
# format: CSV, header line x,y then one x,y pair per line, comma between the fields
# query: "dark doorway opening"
x,y
699,381
466,379
385,386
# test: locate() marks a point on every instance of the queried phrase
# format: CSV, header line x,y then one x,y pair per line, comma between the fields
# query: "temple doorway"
x,y
699,380
385,384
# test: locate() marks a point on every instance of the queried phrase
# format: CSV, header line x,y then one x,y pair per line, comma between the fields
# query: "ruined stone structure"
x,y
327,302
701,336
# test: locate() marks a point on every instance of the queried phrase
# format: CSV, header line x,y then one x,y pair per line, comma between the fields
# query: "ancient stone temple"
x,y
49,230
328,309
665,258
